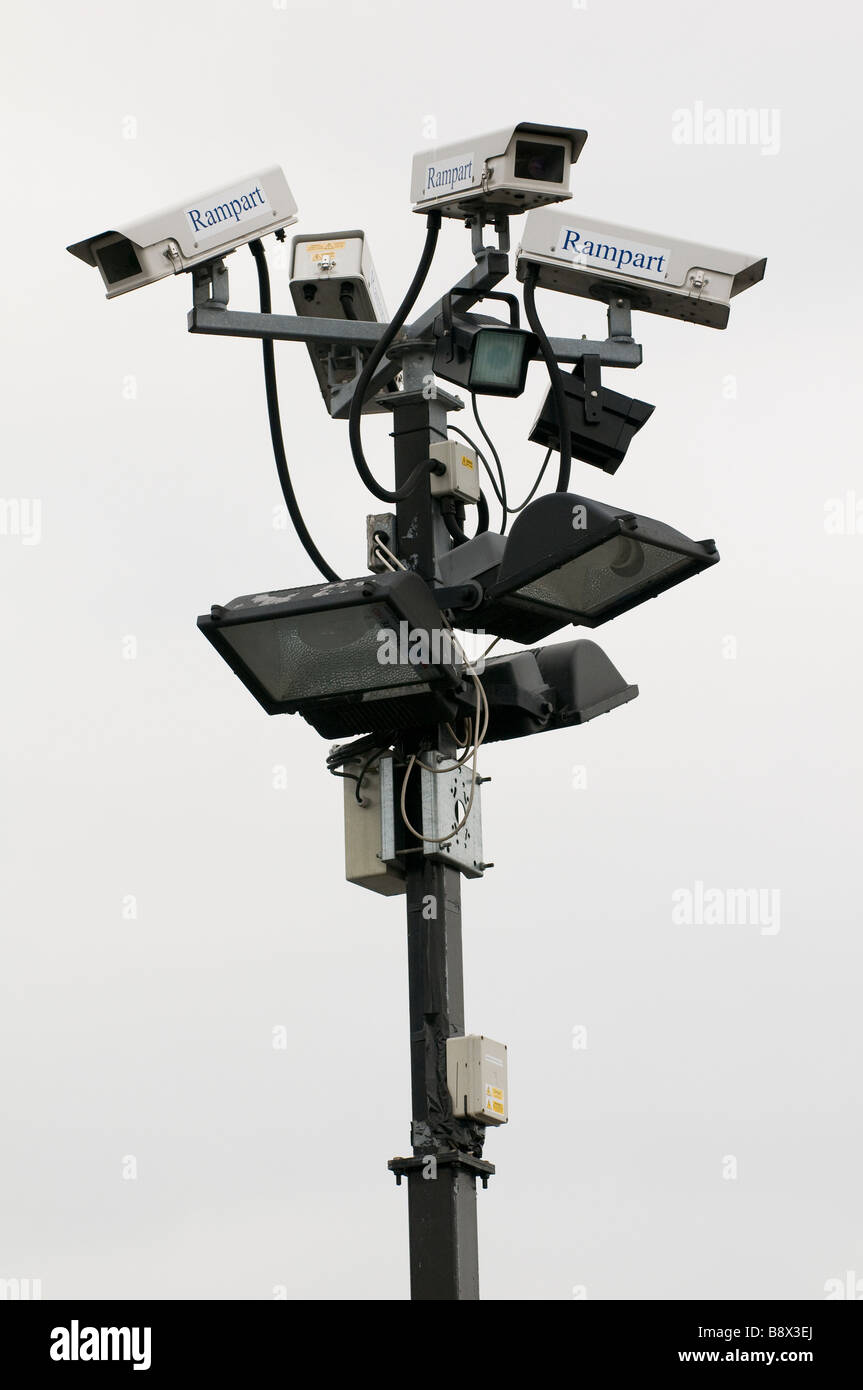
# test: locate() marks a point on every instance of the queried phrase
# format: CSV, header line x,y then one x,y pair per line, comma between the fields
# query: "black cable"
x,y
530,496
377,353
282,469
539,479
345,752
363,770
486,465
447,511
555,376
346,299
453,525
359,778
501,496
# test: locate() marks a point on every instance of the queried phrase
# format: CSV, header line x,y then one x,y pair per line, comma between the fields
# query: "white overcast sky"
x,y
140,456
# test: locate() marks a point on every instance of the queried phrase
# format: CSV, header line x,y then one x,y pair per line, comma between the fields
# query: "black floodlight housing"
x,y
484,355
601,423
551,688
366,655
569,559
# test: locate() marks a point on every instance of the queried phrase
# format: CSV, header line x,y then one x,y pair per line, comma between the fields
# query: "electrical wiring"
x,y
382,553
509,510
453,524
530,495
363,770
454,429
555,376
501,496
457,738
474,783
376,355
459,762
359,777
482,727
482,711
275,420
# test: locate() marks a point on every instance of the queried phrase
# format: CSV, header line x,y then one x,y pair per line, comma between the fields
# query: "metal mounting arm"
x,y
210,315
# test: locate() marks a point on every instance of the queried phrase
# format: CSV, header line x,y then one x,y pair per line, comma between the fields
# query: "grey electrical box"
x,y
476,1078
461,478
368,826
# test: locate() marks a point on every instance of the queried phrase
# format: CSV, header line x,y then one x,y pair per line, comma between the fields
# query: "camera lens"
x,y
539,163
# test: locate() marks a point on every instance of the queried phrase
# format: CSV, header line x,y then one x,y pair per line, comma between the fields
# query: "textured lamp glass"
x,y
604,576
569,559
320,654
359,656
498,359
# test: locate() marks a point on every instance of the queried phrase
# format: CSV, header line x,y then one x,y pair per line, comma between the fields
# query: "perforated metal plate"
x,y
445,796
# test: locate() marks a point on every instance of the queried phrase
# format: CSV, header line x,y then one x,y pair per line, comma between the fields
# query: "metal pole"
x,y
441,1176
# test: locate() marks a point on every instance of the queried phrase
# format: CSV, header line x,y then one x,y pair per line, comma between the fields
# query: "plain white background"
x,y
151,784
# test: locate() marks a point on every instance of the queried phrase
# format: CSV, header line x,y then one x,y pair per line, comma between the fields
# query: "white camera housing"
x,y
323,265
134,254
506,171
659,274
332,272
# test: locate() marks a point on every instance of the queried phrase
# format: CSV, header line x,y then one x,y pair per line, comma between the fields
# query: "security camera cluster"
x,y
324,651
566,559
517,585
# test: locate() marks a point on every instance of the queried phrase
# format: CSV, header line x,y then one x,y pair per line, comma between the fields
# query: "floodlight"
x,y
569,559
601,423
551,688
485,356
366,655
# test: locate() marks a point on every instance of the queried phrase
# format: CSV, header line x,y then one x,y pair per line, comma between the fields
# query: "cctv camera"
x,y
579,255
135,254
508,171
333,277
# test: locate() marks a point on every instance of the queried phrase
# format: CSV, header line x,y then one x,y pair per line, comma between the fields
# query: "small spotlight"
x,y
366,655
485,356
569,559
601,423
